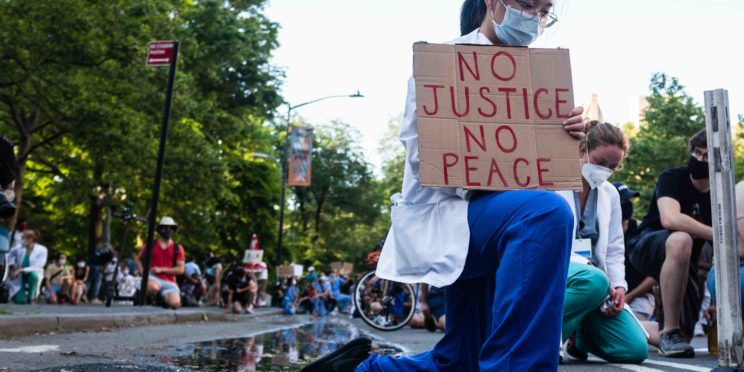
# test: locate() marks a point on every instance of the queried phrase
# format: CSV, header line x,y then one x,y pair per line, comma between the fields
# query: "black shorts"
x,y
648,251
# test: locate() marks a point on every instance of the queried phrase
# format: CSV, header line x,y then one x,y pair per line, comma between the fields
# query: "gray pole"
x,y
283,167
158,176
723,203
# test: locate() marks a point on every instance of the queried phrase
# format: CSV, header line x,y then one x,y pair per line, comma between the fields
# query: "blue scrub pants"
x,y
522,241
343,301
712,282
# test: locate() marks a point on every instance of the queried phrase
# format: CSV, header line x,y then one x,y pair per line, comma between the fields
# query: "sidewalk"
x,y
28,320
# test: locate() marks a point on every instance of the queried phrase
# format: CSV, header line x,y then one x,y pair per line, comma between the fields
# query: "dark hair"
x,y
598,134
471,15
699,139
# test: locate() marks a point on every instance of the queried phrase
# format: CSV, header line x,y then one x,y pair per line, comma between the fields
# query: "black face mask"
x,y
698,169
165,233
627,208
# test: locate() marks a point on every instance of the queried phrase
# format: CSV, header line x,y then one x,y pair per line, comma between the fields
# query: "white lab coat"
x,y
609,250
429,237
37,261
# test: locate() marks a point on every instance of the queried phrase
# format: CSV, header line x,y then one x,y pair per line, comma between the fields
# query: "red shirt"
x,y
164,258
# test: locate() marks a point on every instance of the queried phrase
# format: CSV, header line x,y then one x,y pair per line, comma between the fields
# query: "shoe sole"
x,y
689,353
353,346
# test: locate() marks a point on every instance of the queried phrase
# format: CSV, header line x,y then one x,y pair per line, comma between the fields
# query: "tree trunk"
x,y
24,145
94,222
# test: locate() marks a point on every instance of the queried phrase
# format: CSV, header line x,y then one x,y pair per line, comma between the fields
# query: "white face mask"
x,y
515,29
81,264
62,262
9,194
595,174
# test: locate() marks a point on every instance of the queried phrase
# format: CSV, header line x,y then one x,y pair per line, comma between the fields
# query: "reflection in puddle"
x,y
283,350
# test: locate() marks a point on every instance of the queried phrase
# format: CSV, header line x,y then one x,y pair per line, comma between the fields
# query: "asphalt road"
x,y
150,348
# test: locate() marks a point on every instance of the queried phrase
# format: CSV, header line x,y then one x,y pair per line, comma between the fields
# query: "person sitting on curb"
x,y
26,263
342,300
80,274
58,280
167,261
242,291
291,297
322,300
595,319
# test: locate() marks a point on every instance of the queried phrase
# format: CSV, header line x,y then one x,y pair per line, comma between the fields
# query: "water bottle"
x,y
713,337
607,303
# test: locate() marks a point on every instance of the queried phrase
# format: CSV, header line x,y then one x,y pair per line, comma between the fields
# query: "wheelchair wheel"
x,y
384,304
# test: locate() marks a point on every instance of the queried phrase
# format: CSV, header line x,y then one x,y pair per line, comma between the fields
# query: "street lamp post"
x,y
285,159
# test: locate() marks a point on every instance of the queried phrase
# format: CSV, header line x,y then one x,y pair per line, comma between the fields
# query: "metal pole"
x,y
158,175
283,167
723,203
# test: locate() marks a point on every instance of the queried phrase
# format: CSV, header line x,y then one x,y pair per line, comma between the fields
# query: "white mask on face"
x,y
9,194
515,29
595,174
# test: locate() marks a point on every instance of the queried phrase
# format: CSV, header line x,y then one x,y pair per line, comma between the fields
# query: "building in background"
x,y
592,110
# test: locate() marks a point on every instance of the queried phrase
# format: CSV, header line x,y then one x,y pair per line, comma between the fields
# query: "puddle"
x,y
283,350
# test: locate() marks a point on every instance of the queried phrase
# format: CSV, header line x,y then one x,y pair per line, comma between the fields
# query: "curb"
x,y
15,326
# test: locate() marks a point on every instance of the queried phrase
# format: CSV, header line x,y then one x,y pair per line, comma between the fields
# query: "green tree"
x,y
661,142
86,114
335,218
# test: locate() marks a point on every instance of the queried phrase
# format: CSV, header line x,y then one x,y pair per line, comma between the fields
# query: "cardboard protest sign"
x,y
491,117
284,271
298,270
253,256
347,268
342,267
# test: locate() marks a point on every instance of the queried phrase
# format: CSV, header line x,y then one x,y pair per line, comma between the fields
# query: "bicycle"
x,y
384,304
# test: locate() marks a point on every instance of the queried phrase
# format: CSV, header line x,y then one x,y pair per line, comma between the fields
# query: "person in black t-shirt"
x,y
668,243
242,291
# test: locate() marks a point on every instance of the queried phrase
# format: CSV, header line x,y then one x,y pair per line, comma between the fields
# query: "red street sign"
x,y
160,53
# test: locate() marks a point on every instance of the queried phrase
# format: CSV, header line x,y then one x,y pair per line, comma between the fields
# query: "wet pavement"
x,y
268,343
282,350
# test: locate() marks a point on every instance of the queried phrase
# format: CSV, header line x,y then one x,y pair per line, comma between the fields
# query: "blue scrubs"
x,y
342,299
521,240
288,300
318,302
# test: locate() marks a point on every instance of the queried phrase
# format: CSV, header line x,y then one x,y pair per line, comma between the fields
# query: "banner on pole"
x,y
300,157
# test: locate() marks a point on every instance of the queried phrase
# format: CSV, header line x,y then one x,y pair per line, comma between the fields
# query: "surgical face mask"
x,y
698,169
595,174
81,264
62,262
9,194
515,29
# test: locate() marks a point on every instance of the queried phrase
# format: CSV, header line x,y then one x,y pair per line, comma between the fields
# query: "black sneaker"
x,y
673,345
346,358
571,353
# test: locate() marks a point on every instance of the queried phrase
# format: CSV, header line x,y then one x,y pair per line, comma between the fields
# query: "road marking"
x,y
636,368
686,367
31,349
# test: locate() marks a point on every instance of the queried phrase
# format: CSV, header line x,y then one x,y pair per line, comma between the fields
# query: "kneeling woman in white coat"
x,y
610,332
468,241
